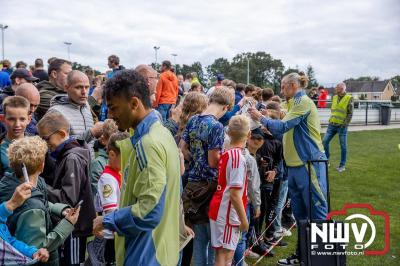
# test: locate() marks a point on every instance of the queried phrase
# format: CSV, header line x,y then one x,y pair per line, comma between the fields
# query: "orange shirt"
x,y
167,88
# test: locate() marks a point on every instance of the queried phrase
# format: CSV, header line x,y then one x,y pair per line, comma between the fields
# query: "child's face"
x,y
16,120
114,160
53,139
103,140
255,143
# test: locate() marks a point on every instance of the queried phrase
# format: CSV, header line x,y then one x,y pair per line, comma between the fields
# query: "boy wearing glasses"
x,y
16,118
71,182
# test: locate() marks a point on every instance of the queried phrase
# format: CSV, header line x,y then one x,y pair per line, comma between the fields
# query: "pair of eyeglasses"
x,y
47,138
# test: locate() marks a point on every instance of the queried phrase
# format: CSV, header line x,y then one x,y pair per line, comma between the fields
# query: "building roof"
x,y
366,86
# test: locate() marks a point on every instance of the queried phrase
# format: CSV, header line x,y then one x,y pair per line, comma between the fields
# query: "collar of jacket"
x,y
299,93
77,106
144,127
60,147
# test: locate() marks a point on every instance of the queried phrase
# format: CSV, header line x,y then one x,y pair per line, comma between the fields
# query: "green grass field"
x,y
372,176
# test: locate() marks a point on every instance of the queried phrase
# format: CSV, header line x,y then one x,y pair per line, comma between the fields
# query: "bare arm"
x,y
185,150
236,199
213,158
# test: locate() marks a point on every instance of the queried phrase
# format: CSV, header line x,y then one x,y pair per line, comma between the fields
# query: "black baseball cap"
x,y
23,73
257,133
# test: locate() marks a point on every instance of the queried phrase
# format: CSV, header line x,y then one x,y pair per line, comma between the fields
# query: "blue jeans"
x,y
281,203
242,245
164,110
330,133
203,253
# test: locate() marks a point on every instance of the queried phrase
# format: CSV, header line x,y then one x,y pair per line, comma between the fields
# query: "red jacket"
x,y
323,96
167,88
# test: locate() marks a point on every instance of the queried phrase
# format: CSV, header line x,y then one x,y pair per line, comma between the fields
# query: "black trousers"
x,y
73,251
269,200
187,253
287,214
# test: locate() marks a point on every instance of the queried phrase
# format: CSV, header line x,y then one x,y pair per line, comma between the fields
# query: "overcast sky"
x,y
341,39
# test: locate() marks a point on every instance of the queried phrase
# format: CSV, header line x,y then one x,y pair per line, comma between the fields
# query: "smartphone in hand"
x,y
78,205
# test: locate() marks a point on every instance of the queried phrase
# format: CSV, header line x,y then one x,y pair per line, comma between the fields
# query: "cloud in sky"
x,y
339,38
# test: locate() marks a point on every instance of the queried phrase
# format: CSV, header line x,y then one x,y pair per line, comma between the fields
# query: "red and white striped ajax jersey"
x,y
232,174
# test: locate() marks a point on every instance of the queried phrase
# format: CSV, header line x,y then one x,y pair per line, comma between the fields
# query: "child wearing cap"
x,y
270,164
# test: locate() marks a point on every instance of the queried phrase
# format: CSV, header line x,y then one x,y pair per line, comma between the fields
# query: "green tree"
x,y
220,65
312,81
396,83
83,68
155,66
264,69
363,78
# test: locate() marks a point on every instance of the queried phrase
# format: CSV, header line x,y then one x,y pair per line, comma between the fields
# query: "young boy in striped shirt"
x,y
109,189
227,208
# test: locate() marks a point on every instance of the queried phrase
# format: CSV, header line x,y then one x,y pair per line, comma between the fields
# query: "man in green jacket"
x,y
31,222
341,114
58,71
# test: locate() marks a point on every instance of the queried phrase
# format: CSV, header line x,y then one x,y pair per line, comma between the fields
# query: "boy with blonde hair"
x,y
30,222
227,208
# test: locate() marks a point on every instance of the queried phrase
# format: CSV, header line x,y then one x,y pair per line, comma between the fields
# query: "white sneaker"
x,y
252,255
292,260
341,169
283,232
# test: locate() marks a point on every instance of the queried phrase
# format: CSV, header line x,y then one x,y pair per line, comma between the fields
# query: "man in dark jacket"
x,y
18,77
71,182
58,71
39,72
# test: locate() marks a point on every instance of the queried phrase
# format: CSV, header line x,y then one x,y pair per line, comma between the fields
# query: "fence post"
x,y
366,115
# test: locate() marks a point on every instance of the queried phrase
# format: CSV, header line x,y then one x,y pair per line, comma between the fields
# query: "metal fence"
x,y
365,112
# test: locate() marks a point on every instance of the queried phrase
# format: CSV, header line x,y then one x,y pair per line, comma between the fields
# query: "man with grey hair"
x,y
302,143
341,114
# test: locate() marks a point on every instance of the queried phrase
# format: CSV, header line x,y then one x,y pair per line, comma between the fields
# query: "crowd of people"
x,y
136,167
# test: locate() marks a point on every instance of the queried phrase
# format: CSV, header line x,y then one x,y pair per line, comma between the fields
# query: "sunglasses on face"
x,y
47,138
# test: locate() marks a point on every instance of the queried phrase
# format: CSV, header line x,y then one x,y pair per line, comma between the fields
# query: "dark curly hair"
x,y
128,83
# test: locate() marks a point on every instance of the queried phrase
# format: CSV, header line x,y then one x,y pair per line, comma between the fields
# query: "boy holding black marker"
x,y
71,182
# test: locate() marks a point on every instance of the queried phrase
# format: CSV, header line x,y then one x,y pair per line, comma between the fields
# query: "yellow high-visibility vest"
x,y
339,109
